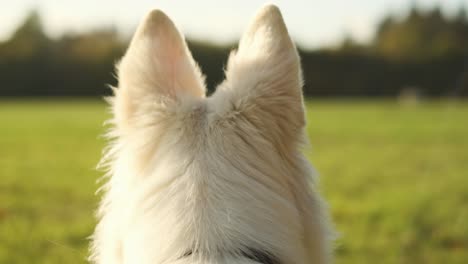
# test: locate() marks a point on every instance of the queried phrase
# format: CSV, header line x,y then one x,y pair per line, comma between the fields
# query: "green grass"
x,y
396,178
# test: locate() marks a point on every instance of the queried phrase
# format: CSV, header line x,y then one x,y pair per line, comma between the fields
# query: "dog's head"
x,y
219,178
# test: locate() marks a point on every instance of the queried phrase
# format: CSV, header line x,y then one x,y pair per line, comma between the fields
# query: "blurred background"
x,y
386,83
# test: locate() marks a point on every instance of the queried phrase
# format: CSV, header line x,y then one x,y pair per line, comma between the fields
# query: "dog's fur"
x,y
216,179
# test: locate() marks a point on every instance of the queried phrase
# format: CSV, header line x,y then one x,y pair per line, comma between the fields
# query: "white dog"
x,y
219,179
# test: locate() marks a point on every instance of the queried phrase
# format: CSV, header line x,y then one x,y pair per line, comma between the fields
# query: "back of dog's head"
x,y
210,180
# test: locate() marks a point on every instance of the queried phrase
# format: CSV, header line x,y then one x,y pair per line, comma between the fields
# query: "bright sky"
x,y
312,23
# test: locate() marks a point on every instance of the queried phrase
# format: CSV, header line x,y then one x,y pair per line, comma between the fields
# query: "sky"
x,y
312,23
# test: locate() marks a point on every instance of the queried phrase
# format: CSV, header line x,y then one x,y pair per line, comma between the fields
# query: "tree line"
x,y
424,52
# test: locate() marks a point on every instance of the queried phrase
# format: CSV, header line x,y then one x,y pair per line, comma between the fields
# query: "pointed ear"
x,y
264,75
157,66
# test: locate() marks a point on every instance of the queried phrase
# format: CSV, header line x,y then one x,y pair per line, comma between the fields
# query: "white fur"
x,y
214,176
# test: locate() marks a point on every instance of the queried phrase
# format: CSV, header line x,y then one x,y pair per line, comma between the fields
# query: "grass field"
x,y
396,178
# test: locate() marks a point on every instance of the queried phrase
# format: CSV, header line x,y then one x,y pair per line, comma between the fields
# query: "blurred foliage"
x,y
423,35
28,40
32,64
424,52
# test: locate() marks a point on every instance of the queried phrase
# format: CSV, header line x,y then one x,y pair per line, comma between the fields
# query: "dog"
x,y
218,179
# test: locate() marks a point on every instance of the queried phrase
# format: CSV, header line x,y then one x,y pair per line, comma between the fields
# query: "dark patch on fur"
x,y
252,254
260,256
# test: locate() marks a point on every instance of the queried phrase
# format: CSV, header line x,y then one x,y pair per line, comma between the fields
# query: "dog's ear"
x,y
264,76
157,65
